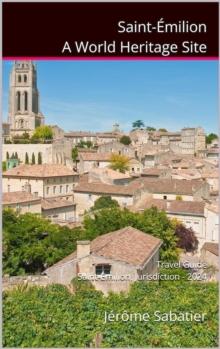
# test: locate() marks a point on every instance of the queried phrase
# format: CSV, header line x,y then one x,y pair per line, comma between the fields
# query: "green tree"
x,y
149,128
126,140
4,167
104,202
43,133
137,124
40,311
162,130
26,158
151,221
31,242
33,159
39,158
211,137
119,163
75,153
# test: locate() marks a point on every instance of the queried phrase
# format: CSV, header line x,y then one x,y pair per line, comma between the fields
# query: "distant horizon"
x,y
91,96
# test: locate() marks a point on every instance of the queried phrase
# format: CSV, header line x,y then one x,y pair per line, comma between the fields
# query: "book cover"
x,y
110,181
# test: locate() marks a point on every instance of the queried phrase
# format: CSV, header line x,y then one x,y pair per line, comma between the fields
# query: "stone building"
x,y
90,160
22,202
201,218
58,152
85,195
117,148
192,140
111,261
53,184
24,110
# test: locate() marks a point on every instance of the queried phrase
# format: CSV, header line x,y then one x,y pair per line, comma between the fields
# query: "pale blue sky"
x,y
93,95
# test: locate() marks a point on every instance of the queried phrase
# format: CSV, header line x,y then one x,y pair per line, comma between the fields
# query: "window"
x,y
164,197
25,100
54,190
103,269
67,188
8,188
48,190
61,189
19,78
25,78
18,95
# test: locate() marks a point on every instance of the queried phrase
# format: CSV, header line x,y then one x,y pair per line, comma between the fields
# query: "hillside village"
x,y
61,177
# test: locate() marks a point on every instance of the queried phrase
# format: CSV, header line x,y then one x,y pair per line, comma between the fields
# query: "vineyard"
x,y
56,316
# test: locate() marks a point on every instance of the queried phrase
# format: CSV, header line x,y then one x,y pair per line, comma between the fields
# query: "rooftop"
x,y
16,197
175,206
166,185
127,245
95,156
39,171
57,202
101,188
211,247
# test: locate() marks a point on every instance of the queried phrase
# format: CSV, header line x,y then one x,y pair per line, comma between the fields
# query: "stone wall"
x,y
8,282
58,152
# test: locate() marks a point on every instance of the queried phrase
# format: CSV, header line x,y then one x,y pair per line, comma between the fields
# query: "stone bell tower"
x,y
24,114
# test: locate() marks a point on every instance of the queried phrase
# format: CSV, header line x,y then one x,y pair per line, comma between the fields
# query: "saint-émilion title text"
x,y
146,47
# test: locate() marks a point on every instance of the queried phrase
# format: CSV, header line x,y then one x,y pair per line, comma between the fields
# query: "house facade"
x,y
54,184
111,262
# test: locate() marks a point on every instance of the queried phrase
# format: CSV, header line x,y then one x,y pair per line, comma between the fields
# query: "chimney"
x,y
83,248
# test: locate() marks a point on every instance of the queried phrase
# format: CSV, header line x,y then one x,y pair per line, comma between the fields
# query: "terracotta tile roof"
x,y
39,171
211,247
127,245
152,172
211,174
18,197
175,206
110,173
101,188
79,134
51,203
168,186
95,156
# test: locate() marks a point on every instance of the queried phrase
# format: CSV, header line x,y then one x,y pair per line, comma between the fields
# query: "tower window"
x,y
19,78
25,78
25,100
18,100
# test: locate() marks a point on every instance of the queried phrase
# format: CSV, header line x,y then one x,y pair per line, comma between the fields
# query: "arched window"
x,y
21,123
25,78
25,100
18,100
19,78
